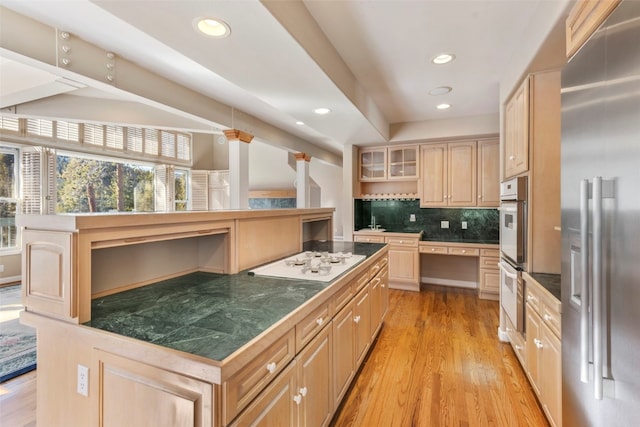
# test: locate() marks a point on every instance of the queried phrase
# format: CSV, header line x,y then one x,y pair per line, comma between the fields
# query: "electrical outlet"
x,y
412,217
444,224
83,381
464,225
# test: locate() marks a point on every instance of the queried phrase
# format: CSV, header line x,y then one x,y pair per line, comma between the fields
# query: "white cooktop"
x,y
321,266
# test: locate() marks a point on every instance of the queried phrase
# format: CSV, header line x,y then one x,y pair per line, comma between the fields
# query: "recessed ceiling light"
x,y
443,58
212,27
440,90
300,123
443,106
322,111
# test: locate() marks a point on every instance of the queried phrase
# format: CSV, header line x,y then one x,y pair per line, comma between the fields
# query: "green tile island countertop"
x,y
208,314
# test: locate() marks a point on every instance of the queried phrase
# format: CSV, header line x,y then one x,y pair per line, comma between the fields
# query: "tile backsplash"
x,y
483,225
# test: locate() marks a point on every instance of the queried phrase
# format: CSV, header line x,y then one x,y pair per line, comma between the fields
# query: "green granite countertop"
x,y
207,314
550,282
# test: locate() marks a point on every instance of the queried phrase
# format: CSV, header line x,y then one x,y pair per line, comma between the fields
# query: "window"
x,y
8,197
180,188
92,184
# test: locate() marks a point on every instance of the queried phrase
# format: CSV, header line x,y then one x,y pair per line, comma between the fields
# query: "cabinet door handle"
x,y
320,321
518,347
297,398
547,317
303,391
356,319
538,342
511,157
271,367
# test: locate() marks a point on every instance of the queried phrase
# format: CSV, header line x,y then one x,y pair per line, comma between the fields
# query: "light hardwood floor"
x,y
437,362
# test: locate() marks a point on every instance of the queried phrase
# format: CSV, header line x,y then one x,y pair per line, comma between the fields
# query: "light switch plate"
x,y
464,225
444,224
412,217
83,381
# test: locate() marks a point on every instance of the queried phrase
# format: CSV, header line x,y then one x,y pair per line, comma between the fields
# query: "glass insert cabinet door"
x,y
373,164
403,162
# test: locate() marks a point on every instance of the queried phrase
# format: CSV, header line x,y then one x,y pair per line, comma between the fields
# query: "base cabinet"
x,y
543,349
314,396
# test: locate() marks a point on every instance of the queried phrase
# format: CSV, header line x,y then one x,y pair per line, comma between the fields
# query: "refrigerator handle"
x,y
584,288
597,287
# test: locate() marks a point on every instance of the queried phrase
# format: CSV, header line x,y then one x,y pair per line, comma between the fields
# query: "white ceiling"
x,y
368,61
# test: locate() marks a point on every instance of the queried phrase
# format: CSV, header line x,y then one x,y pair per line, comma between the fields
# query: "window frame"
x,y
8,148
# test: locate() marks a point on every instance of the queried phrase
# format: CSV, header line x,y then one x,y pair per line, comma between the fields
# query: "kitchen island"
x,y
207,348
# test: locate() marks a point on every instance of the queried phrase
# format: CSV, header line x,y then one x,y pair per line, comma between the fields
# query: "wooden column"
x,y
303,196
238,168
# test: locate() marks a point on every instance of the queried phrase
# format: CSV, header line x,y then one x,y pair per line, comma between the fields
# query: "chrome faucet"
x,y
373,222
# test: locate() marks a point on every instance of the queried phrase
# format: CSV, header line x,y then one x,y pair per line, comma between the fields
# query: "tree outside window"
x,y
89,185
181,186
8,197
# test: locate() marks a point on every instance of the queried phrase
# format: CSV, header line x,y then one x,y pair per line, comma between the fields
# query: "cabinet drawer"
x,y
368,239
432,249
464,251
490,253
342,297
403,241
375,268
532,298
489,281
247,383
551,316
489,262
311,325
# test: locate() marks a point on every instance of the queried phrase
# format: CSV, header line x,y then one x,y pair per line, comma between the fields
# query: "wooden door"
x,y
362,324
403,264
521,130
462,163
489,173
532,344
551,375
275,406
509,137
315,382
343,351
126,390
433,182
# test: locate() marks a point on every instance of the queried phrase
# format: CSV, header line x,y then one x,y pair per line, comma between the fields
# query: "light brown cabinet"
x,y
403,162
543,348
516,132
585,17
488,173
404,257
489,284
373,164
448,174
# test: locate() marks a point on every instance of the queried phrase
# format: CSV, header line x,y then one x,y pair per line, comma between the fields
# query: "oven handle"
x,y
507,272
504,208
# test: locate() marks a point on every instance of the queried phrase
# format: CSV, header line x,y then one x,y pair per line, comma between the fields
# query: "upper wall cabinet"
x,y
403,162
373,164
516,132
489,173
389,172
392,163
585,17
448,174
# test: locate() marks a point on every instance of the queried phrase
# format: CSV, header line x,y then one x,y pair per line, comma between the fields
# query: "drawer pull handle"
x,y
433,249
297,398
464,251
530,298
271,367
320,321
303,391
537,342
547,317
382,285
518,347
401,241
356,319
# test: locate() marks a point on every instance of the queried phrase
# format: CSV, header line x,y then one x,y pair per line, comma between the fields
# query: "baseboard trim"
x,y
8,280
449,282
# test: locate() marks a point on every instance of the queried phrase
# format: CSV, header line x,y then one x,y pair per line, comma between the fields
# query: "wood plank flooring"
x,y
438,362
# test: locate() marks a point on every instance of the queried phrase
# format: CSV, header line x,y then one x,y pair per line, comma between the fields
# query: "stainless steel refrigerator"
x,y
601,226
